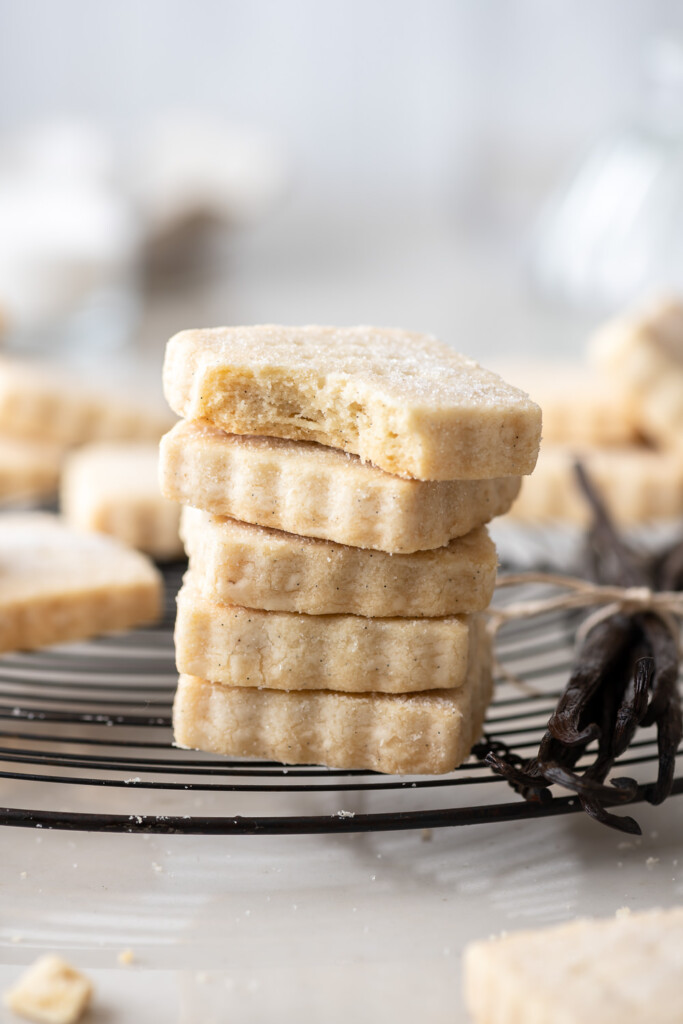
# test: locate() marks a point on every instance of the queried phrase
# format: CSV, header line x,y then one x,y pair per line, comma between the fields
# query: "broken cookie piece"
x,y
51,991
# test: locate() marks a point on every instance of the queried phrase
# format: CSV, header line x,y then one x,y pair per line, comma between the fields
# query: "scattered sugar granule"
x,y
623,912
51,991
346,814
651,861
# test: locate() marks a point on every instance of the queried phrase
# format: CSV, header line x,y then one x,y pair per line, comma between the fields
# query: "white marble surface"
x,y
312,929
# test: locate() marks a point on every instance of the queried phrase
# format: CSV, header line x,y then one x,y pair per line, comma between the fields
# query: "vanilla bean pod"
x,y
625,676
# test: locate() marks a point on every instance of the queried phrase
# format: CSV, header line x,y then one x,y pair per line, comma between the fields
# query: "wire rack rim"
x,y
303,824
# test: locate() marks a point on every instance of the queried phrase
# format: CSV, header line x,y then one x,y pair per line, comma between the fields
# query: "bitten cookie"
x,y
404,402
58,584
406,734
261,568
288,651
625,970
643,354
314,491
113,488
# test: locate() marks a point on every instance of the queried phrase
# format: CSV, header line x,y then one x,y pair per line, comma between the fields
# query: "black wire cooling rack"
x,y
85,744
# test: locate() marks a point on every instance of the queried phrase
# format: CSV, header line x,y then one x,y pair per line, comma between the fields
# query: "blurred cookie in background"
x,y
620,412
113,488
640,483
642,354
39,402
29,469
579,402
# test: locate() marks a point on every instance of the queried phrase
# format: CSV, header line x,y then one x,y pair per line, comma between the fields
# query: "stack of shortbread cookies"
x,y
336,483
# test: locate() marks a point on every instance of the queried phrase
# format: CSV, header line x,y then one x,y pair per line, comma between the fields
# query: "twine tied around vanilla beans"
x,y
607,599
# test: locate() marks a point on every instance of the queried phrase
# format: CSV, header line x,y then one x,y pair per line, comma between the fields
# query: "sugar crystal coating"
x,y
403,401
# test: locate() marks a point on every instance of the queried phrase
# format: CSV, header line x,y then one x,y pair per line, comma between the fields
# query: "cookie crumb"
x,y
126,957
51,991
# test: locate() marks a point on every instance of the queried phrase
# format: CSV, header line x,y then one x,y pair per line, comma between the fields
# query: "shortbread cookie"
x,y
113,487
314,491
58,584
287,651
580,404
406,734
39,403
643,354
28,469
624,970
405,402
639,483
253,566
51,991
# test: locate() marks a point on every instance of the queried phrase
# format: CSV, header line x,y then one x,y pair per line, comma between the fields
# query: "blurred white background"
x,y
416,145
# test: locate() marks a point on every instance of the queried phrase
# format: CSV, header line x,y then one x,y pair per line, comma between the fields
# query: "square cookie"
x,y
314,491
261,568
113,488
405,734
404,402
288,651
57,584
624,970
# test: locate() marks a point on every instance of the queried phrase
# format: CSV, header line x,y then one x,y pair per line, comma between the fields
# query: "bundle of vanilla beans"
x,y
625,676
